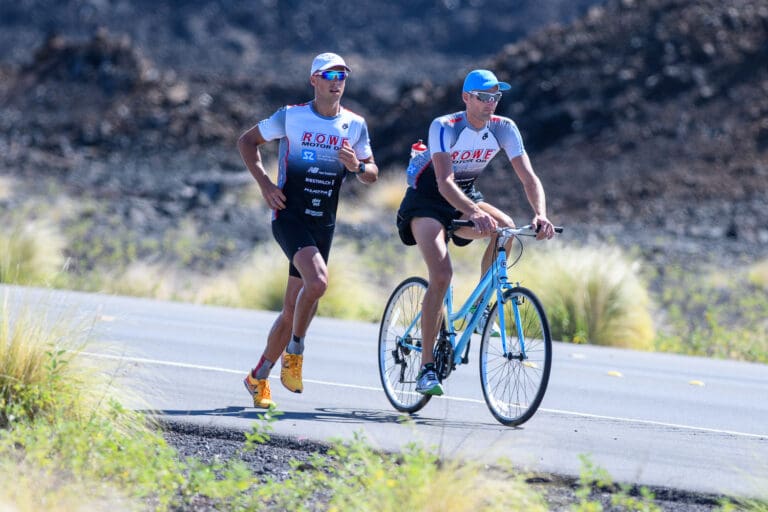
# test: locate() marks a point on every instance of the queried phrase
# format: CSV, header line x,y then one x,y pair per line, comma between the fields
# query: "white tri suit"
x,y
471,150
310,173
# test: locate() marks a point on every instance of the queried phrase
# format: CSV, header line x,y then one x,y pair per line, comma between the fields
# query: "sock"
x,y
262,369
428,366
296,346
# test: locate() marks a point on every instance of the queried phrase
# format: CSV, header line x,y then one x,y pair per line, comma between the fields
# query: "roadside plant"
x,y
31,253
591,295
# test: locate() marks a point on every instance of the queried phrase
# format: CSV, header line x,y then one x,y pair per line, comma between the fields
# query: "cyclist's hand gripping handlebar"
x,y
458,223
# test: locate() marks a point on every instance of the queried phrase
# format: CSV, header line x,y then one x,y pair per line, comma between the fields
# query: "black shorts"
x,y
293,234
415,204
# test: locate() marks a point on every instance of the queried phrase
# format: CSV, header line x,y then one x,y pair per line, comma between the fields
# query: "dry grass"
x,y
7,186
40,373
377,202
591,295
758,274
31,253
258,283
141,279
36,489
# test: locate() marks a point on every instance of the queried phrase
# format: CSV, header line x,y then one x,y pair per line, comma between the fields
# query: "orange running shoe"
x,y
259,390
290,373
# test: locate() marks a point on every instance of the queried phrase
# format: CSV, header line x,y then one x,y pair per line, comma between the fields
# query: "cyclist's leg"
x,y
430,238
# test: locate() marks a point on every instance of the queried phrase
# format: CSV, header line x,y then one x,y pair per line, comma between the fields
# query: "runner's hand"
x,y
273,196
348,158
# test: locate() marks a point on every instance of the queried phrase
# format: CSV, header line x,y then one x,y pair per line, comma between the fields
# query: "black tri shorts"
x,y
293,233
417,204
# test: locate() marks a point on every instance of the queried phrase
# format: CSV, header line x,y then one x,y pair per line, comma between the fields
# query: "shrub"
x,y
36,368
591,295
141,279
31,253
714,314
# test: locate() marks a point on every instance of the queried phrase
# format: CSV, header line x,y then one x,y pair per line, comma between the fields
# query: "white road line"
x,y
455,399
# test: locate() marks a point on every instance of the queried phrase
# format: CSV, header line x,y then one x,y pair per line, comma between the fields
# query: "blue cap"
x,y
482,79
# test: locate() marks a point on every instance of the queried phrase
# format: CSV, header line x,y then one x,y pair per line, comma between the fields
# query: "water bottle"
x,y
419,160
418,148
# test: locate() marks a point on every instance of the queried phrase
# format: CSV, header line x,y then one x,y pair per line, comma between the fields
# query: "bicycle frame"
x,y
493,280
515,355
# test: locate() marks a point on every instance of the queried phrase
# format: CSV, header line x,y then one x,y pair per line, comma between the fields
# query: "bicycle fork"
x,y
521,356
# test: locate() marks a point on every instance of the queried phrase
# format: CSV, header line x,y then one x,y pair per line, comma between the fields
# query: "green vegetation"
x,y
714,315
744,506
356,478
594,480
38,373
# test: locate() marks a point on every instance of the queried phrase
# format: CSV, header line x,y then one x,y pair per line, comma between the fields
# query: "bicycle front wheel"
x,y
515,360
399,346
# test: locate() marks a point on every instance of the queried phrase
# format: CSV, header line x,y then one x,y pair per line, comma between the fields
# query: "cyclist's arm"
x,y
534,191
453,194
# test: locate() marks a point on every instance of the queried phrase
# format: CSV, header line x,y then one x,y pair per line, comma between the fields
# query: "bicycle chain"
x,y
443,357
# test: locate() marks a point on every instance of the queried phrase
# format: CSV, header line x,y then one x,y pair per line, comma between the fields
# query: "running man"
x,y
321,143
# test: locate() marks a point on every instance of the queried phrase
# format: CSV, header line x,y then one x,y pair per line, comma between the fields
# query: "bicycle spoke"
x,y
400,346
514,381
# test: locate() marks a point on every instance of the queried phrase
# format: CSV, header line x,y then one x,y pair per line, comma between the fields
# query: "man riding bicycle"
x,y
460,146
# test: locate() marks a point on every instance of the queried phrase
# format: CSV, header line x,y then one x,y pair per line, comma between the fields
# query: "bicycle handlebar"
x,y
524,231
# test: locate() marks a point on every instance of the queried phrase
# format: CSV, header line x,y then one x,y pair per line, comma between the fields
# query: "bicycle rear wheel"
x,y
514,377
399,334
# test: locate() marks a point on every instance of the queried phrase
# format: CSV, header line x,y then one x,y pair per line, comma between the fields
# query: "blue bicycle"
x,y
515,345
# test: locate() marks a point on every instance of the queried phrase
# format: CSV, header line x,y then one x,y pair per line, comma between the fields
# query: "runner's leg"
x,y
314,280
280,334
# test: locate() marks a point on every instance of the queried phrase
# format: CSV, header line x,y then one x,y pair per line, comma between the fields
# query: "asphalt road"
x,y
653,419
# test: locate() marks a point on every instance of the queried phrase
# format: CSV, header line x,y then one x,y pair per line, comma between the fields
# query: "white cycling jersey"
x,y
471,149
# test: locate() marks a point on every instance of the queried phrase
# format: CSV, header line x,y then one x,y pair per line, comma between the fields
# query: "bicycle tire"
x,y
398,365
513,386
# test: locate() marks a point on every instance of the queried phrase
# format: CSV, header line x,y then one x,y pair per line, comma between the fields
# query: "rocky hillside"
x,y
387,43
640,110
647,115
